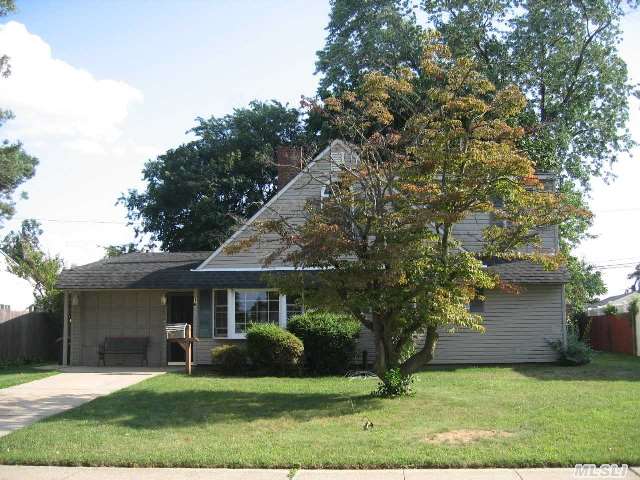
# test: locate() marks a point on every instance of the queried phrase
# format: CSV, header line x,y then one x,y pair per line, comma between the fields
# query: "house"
x,y
220,293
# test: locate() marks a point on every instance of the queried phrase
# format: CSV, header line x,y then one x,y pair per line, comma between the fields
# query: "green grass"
x,y
15,375
556,416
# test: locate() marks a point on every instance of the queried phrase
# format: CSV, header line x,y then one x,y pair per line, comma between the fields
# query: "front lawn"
x,y
14,375
459,417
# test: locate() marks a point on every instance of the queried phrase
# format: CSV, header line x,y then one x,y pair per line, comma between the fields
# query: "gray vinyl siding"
x,y
117,313
289,204
518,328
307,186
202,353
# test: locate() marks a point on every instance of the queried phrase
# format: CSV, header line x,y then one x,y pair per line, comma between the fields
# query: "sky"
x,y
100,87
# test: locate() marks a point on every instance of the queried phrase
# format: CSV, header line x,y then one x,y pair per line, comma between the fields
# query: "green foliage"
x,y
575,352
610,309
117,250
394,383
16,167
585,284
28,260
231,359
198,192
329,340
274,350
365,36
634,308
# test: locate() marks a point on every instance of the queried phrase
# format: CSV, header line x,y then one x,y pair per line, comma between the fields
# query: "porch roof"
x,y
162,270
155,270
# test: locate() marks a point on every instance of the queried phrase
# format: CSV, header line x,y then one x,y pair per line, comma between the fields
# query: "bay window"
x,y
233,310
255,306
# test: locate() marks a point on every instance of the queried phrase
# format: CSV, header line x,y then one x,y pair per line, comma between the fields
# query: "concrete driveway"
x,y
27,403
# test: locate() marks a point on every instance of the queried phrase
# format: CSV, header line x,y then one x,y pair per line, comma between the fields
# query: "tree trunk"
x,y
424,356
381,363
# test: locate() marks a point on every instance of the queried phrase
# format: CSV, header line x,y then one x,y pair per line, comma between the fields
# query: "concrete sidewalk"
x,y
24,404
8,472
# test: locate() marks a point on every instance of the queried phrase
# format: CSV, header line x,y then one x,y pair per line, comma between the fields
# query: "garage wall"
x,y
117,313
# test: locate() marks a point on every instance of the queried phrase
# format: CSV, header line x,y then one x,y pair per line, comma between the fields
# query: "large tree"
x,y
28,260
382,245
16,166
562,54
198,192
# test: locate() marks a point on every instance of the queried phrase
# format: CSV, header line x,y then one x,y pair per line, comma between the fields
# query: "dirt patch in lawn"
x,y
465,436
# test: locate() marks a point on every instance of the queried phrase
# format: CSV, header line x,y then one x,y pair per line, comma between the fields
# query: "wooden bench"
x,y
124,346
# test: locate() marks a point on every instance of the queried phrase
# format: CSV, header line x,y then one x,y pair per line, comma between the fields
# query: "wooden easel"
x,y
187,345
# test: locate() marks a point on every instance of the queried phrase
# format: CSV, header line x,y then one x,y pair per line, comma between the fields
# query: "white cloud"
x,y
52,99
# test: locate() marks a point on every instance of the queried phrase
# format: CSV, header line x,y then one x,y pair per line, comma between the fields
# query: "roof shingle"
x,y
161,270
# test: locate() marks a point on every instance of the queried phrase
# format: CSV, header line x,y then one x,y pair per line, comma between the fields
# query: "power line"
x,y
72,220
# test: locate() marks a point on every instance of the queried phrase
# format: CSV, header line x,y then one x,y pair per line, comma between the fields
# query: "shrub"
x,y
576,352
273,349
230,358
394,384
329,340
610,309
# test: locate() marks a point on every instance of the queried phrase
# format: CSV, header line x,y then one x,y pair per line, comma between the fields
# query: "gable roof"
x,y
273,199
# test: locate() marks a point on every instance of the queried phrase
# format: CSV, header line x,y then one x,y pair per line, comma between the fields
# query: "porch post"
x,y
196,306
65,328
231,314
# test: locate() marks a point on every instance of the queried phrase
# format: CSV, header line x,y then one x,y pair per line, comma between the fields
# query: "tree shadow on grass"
x,y
149,409
604,367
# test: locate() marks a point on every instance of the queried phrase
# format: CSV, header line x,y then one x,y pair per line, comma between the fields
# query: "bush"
x,y
273,349
329,340
394,384
576,352
230,358
610,309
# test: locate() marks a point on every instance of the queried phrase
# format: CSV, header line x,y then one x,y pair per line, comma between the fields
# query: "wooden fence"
x,y
613,333
28,335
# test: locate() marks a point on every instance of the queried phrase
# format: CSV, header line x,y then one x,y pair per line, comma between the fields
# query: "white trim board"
x,y
257,269
268,204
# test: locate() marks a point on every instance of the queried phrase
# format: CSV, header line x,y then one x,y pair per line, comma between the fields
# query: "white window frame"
x,y
231,311
213,314
324,195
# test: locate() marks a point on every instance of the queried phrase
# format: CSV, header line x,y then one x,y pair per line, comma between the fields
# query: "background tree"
x,y
588,287
27,260
197,193
382,244
562,54
365,36
117,250
16,166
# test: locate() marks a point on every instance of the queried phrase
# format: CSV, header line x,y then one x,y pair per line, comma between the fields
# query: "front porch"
x,y
216,315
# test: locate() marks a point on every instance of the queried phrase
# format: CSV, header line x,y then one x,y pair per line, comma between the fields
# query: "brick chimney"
x,y
289,160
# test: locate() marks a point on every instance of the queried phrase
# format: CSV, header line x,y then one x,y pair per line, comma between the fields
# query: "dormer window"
x,y
325,194
498,202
